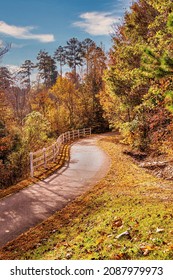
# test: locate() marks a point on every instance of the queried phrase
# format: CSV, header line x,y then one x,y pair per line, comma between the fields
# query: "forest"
x,y
128,90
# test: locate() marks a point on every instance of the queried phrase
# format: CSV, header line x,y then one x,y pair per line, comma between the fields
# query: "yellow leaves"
x,y
67,99
146,249
89,225
63,87
170,247
100,240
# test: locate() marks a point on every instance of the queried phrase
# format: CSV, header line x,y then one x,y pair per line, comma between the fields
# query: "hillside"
x,y
126,89
128,215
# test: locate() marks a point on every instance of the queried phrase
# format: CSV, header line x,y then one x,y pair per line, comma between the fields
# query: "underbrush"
x,y
39,174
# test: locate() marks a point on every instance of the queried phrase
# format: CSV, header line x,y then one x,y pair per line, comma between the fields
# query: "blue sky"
x,y
35,25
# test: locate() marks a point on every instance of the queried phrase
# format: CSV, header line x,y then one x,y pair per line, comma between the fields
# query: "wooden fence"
x,y
45,155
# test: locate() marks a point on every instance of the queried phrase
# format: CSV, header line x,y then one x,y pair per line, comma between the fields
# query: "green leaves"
x,y
169,100
35,130
170,22
141,72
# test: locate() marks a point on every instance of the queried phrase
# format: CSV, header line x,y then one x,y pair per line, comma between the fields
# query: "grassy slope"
x,y
126,199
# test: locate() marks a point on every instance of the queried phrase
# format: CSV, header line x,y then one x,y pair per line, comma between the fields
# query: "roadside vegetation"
x,y
34,114
40,174
129,89
128,215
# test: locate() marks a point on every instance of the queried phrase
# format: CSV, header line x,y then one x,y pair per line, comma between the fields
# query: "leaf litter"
x,y
128,203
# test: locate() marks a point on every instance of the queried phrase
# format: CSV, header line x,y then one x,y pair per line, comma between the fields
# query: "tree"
x,y
47,68
96,61
25,72
74,53
60,56
140,73
9,141
35,130
66,95
4,48
87,46
6,80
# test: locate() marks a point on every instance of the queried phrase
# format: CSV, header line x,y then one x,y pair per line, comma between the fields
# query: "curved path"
x,y
20,211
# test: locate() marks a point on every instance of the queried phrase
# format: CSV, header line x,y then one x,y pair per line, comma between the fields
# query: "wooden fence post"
x,y
31,164
54,152
58,143
64,138
44,155
56,148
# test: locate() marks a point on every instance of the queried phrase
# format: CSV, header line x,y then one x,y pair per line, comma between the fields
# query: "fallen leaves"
x,y
117,222
121,256
146,249
123,217
170,247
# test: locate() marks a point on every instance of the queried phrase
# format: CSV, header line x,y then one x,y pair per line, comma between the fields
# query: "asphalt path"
x,y
30,206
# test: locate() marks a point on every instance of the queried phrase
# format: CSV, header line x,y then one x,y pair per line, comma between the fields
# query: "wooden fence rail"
x,y
45,155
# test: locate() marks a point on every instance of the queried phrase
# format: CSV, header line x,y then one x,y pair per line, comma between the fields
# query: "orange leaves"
x,y
170,247
146,249
121,256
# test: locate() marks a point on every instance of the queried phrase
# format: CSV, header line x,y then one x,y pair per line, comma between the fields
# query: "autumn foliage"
x,y
33,114
130,90
138,96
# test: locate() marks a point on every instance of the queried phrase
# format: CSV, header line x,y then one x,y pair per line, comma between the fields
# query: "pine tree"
x,y
5,79
60,56
47,68
25,72
87,46
74,54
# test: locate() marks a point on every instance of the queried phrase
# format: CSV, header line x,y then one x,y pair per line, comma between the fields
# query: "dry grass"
x,y
127,200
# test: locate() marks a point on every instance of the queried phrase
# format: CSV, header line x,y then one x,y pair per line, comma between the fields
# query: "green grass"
x,y
127,199
93,236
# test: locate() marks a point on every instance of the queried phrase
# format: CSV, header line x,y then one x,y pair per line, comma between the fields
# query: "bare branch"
x,y
4,48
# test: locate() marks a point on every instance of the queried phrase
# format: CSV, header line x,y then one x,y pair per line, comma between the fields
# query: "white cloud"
x,y
12,68
17,46
24,33
96,23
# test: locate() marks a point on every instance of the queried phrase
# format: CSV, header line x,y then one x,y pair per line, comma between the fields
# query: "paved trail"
x,y
25,209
